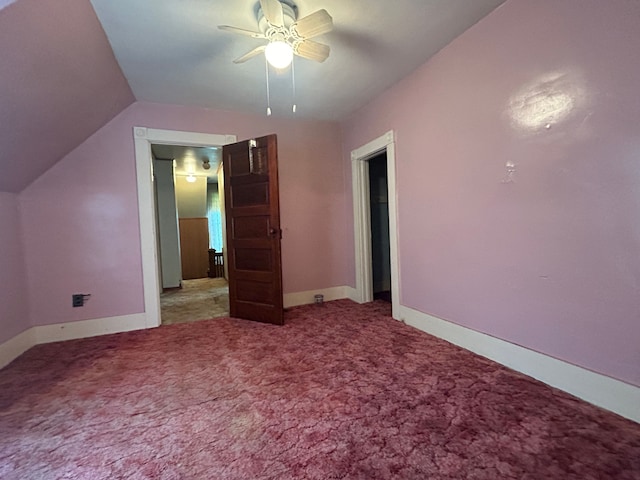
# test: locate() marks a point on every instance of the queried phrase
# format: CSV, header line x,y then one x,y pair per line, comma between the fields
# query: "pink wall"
x,y
81,219
549,261
14,312
60,83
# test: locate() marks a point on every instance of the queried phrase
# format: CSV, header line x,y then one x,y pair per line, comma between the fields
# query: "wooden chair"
x,y
216,264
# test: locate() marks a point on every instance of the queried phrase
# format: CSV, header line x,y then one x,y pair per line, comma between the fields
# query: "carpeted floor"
x,y
198,299
341,391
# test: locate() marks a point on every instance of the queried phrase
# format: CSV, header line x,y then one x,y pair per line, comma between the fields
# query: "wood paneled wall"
x,y
194,247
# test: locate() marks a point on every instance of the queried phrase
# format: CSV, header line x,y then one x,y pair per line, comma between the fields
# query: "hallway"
x,y
198,299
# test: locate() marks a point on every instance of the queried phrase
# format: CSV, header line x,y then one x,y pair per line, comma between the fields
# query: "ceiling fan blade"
x,y
313,25
249,55
241,31
272,10
312,50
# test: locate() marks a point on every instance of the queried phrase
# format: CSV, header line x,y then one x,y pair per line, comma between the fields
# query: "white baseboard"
x,y
16,346
88,328
606,392
352,294
13,348
306,298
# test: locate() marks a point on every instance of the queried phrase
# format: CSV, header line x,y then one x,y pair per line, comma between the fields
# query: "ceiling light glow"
x,y
279,54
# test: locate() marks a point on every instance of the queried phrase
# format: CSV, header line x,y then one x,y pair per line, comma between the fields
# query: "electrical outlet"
x,y
77,300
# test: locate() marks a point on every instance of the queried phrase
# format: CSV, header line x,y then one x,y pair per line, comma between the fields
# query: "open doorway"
x,y
383,149
379,215
143,139
190,233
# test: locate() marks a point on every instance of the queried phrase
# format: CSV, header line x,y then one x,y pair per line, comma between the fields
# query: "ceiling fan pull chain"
x,y
293,84
266,65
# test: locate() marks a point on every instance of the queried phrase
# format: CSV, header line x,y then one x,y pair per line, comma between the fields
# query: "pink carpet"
x,y
341,391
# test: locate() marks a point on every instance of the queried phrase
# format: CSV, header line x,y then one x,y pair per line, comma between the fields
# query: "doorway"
x,y
190,233
379,215
360,170
143,139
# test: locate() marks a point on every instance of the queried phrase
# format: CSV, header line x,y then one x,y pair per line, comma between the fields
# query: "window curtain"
x,y
215,217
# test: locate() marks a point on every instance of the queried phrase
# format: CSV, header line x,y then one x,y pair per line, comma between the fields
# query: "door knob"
x,y
274,232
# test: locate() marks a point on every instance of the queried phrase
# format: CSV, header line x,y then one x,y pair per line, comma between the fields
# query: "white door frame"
x,y
143,138
362,222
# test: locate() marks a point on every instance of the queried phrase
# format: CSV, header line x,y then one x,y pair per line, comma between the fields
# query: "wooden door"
x,y
194,247
253,229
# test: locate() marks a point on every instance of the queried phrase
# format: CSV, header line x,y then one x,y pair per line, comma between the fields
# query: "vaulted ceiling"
x,y
68,67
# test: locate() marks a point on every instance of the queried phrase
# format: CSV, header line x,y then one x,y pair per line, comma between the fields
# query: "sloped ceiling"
x,y
62,77
59,83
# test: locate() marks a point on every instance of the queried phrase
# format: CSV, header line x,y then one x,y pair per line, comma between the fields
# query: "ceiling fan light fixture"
x,y
279,54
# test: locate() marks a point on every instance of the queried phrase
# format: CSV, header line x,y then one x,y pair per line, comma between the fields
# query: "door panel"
x,y
251,291
254,259
253,234
248,195
250,227
194,247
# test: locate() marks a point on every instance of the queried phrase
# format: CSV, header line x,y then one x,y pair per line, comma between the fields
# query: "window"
x,y
215,217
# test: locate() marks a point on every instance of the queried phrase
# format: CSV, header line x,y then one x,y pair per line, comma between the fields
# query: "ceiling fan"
x,y
286,35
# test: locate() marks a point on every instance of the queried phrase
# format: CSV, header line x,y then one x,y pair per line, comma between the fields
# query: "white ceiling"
x,y
190,160
172,51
